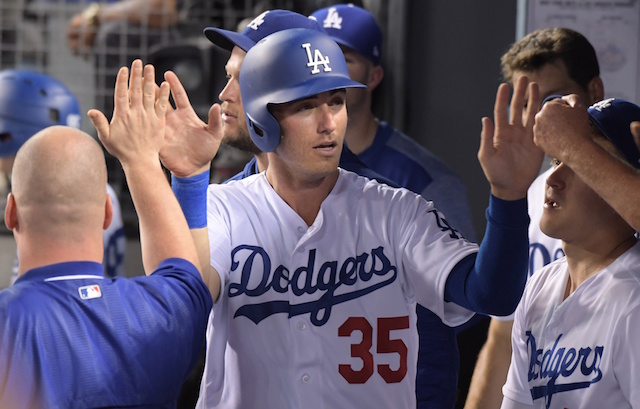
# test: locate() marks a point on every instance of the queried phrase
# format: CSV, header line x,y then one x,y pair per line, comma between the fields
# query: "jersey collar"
x,y
71,270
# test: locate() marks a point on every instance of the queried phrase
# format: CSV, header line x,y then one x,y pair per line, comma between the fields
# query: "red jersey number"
x,y
386,345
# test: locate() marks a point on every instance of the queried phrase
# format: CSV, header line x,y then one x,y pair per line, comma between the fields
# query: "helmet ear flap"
x,y
265,133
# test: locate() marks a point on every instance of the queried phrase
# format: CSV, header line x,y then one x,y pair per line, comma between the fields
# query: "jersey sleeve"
x,y
430,249
219,234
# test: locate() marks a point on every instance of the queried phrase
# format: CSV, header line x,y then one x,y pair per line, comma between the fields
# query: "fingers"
x,y
533,104
500,113
517,101
149,97
179,94
121,92
101,124
573,100
162,102
135,83
486,137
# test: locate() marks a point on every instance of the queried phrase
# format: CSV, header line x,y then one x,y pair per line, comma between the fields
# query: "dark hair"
x,y
549,45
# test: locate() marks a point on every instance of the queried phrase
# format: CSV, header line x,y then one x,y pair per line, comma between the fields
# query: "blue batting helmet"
x,y
29,102
287,66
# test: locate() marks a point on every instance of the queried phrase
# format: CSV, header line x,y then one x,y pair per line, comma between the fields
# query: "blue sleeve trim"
x,y
192,196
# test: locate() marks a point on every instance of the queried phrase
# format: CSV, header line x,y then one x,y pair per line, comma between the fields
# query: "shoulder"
x,y
546,277
362,195
241,186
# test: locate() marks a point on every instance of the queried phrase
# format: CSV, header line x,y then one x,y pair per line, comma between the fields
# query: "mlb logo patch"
x,y
90,291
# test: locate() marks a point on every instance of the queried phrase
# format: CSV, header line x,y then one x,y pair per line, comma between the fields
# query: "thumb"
x,y
101,124
215,120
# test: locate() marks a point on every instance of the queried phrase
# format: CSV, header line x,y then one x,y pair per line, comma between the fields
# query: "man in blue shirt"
x,y
69,337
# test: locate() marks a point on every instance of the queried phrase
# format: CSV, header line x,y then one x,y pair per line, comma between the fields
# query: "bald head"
x,y
59,182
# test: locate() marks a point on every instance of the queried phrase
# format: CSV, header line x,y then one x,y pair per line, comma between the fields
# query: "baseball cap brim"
x,y
228,39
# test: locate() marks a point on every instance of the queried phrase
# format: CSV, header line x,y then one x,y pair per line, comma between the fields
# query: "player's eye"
x,y
337,101
304,106
555,162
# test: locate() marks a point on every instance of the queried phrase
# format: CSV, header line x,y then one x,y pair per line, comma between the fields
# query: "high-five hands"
x,y
508,156
137,130
190,144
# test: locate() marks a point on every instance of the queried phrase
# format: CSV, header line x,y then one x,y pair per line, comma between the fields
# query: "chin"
x,y
550,230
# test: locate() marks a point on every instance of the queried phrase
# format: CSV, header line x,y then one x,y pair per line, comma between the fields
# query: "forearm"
x,y
617,183
153,13
490,373
492,282
154,202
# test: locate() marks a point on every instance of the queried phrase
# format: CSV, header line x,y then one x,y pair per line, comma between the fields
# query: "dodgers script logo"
x,y
316,59
582,365
370,271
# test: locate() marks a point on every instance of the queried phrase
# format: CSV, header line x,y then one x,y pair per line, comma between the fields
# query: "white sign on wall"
x,y
612,26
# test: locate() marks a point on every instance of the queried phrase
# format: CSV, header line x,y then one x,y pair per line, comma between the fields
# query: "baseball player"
x,y
70,337
29,102
317,270
393,154
576,329
560,61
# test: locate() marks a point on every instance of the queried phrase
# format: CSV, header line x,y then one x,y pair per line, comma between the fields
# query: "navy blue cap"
x,y
265,24
353,27
613,117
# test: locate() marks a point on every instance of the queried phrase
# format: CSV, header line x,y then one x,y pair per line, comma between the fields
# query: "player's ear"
x,y
108,212
376,74
596,89
10,213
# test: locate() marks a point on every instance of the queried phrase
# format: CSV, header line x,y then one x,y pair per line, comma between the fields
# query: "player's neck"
x,y
304,196
585,262
361,131
41,251
262,159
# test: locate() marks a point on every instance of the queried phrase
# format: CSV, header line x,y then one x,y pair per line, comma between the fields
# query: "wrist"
x,y
191,193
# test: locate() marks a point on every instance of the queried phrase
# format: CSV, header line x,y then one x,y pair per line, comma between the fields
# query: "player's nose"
x,y
326,119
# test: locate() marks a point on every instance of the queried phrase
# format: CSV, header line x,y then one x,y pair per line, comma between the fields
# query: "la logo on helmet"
x,y
316,59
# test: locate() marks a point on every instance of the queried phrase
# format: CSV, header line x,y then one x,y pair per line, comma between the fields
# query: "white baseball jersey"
x,y
581,352
323,316
542,248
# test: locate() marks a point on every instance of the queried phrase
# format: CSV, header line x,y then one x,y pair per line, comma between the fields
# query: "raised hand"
x,y
190,144
507,154
137,129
